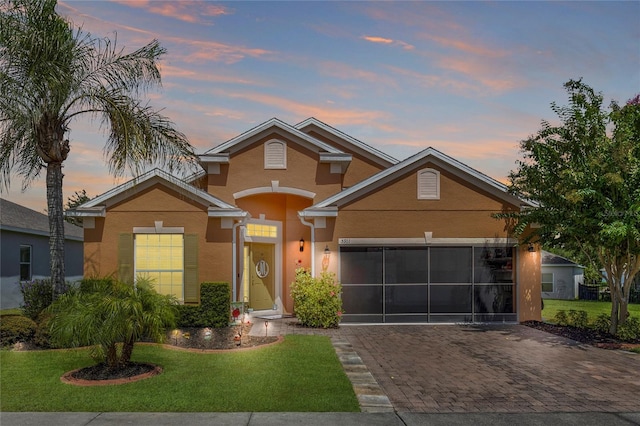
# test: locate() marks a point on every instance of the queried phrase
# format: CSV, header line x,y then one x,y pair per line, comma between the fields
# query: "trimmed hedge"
x,y
16,328
214,308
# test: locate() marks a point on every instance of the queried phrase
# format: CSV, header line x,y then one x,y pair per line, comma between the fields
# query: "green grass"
x,y
13,311
302,373
592,307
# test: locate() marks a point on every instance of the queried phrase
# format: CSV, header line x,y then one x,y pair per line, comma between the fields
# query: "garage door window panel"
x,y
450,265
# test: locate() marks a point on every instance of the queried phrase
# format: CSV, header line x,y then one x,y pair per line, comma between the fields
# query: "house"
x,y
24,248
410,241
560,277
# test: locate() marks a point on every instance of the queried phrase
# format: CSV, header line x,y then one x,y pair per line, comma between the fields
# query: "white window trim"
x,y
30,262
421,195
553,282
282,164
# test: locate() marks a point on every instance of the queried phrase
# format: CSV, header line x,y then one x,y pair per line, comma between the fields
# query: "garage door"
x,y
396,284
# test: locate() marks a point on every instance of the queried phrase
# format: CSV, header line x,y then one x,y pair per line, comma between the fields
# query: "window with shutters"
x,y
275,154
160,257
428,184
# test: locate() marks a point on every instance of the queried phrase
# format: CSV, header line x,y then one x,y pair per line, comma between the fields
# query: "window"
x,y
258,230
547,282
160,257
25,263
275,155
428,184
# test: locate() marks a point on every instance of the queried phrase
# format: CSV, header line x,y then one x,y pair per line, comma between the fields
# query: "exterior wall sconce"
x,y
327,252
531,248
301,244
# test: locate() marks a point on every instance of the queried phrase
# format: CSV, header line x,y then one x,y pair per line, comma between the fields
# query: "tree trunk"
x,y
127,351
56,227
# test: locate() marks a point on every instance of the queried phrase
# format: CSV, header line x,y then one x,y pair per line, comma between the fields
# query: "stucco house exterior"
x,y
560,277
24,250
410,241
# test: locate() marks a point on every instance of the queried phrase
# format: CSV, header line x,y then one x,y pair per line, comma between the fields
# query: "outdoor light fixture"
x,y
326,250
301,244
531,248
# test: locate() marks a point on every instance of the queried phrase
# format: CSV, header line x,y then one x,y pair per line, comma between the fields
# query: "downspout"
x,y
234,255
313,245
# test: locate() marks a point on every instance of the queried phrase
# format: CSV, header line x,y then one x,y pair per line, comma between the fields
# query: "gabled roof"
x,y
17,218
551,259
428,155
358,146
98,205
271,125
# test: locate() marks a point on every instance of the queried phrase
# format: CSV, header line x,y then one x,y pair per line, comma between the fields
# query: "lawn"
x,y
592,307
302,373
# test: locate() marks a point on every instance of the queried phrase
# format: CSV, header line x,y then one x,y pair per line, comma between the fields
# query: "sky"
x,y
468,78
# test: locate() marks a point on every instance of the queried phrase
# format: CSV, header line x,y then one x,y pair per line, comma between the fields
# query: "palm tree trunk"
x,y
56,227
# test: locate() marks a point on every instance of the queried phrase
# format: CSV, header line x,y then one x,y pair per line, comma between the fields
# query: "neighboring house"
x,y
24,250
410,241
560,277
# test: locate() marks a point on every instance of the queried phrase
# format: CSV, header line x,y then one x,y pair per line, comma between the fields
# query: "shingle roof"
x,y
554,259
14,217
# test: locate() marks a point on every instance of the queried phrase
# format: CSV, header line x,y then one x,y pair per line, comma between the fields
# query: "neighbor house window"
x,y
160,257
275,155
547,282
25,263
428,184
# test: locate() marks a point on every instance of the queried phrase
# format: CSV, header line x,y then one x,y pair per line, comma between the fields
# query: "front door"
x,y
261,273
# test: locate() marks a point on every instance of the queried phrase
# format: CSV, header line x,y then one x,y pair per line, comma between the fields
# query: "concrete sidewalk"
x,y
319,419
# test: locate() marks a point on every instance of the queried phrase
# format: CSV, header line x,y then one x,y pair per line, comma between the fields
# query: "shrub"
x,y
602,323
561,318
16,328
578,319
630,330
317,301
215,299
189,316
37,296
109,315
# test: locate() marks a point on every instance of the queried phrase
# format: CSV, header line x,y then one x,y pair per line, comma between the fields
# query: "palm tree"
x,y
51,73
108,314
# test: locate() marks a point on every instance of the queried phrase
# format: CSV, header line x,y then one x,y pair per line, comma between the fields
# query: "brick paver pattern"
x,y
478,368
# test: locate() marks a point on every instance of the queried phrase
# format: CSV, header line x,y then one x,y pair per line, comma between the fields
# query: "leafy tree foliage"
x,y
78,198
50,74
584,176
111,316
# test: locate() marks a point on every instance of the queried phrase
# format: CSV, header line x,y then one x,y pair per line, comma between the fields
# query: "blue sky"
x,y
470,79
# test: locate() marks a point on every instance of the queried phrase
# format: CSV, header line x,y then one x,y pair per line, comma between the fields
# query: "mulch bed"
x,y
584,335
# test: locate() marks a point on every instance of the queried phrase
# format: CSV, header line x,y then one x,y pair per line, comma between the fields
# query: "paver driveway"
x,y
510,368
504,368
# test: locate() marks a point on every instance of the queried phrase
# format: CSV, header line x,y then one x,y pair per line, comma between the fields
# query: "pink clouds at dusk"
x,y
470,79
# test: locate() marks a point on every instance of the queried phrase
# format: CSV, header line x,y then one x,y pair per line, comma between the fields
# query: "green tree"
x,y
584,176
78,198
50,74
111,316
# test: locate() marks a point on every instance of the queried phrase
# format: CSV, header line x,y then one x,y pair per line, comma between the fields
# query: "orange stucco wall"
x,y
390,211
143,209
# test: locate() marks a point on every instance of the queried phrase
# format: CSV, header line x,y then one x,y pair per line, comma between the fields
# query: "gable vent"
x,y
275,155
428,184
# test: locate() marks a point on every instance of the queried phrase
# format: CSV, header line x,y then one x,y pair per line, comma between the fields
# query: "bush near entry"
x,y
213,311
317,301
